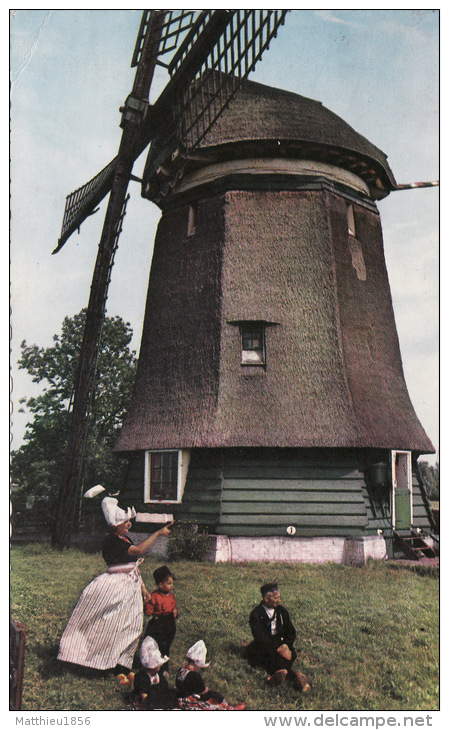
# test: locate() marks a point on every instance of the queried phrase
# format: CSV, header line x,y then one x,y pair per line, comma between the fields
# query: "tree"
x,y
431,479
37,466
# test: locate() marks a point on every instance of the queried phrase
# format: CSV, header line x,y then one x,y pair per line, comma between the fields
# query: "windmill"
x,y
207,54
270,406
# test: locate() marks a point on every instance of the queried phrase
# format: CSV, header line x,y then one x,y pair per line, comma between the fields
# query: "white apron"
x,y
105,626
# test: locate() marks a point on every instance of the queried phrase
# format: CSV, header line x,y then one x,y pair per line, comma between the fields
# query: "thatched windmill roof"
x,y
333,375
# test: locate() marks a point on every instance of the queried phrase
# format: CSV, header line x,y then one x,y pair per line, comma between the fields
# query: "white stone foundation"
x,y
358,550
223,549
297,550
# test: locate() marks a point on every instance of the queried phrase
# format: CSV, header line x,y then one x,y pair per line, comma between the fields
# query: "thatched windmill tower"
x,y
270,404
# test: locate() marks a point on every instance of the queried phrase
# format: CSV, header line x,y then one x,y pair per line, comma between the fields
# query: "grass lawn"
x,y
367,637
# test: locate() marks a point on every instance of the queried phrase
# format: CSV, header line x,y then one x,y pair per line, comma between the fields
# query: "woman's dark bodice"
x,y
115,550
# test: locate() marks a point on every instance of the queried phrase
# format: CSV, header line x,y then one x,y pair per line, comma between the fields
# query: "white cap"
x,y
115,515
150,656
197,654
93,491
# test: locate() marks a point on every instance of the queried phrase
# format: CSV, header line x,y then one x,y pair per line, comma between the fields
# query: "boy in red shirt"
x,y
163,611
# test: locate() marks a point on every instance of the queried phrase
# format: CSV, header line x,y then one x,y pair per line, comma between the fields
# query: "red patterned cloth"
x,y
194,702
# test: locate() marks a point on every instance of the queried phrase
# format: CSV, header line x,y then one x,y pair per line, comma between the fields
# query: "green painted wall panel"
x,y
190,514
201,484
343,459
421,521
295,495
421,506
293,484
202,492
135,482
419,511
377,510
262,495
296,520
288,472
279,508
202,495
317,493
210,474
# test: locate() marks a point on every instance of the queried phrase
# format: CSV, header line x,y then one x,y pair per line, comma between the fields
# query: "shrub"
x,y
187,543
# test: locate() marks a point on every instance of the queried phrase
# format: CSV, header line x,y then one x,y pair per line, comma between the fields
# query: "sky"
x,y
69,74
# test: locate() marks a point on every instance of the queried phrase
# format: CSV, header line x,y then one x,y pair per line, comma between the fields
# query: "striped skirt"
x,y
105,626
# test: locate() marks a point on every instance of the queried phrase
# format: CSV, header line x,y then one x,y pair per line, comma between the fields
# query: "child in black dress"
x,y
151,690
191,687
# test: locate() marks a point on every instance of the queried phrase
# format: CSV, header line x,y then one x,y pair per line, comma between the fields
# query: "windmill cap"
x,y
259,118
261,113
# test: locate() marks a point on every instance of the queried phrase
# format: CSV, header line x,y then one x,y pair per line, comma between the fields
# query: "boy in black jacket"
x,y
273,637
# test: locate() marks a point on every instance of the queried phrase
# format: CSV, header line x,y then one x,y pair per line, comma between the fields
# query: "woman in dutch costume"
x,y
104,629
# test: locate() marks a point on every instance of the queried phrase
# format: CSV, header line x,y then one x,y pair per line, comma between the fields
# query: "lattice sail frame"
x,y
230,61
85,199
173,26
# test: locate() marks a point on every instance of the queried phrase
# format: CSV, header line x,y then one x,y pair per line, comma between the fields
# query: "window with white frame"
x,y
165,475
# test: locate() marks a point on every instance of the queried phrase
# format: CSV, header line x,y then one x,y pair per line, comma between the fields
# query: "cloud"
x,y
329,17
413,35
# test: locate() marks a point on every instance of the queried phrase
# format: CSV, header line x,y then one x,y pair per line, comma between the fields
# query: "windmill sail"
x,y
130,141
83,201
215,52
168,28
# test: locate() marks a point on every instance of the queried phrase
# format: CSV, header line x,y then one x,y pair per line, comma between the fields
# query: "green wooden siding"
x,y
307,483
378,513
202,492
318,493
421,506
260,492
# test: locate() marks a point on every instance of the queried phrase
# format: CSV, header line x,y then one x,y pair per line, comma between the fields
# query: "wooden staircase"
x,y
412,545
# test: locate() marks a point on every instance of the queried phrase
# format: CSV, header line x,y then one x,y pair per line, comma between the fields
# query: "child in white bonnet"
x,y
189,681
151,689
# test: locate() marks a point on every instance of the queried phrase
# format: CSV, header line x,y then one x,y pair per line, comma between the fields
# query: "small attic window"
x,y
191,221
351,219
253,343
